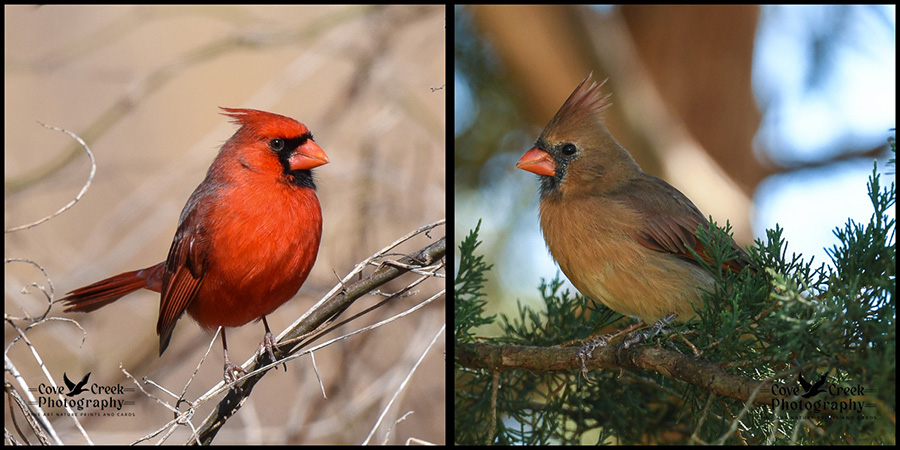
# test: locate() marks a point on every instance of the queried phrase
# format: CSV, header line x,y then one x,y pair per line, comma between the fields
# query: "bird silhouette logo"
x,y
812,389
75,389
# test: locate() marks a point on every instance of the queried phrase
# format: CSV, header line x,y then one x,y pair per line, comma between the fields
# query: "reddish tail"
x,y
106,291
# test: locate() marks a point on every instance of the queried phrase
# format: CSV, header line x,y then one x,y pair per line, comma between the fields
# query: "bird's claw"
x,y
267,347
646,334
232,374
587,350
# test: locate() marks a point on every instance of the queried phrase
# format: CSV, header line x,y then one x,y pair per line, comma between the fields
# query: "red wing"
x,y
185,269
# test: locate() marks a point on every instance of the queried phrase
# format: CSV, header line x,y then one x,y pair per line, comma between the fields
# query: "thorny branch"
x,y
320,320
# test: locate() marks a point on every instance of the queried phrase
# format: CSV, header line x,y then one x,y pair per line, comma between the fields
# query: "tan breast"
x,y
591,244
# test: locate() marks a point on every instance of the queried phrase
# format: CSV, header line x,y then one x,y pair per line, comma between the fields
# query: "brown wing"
x,y
672,221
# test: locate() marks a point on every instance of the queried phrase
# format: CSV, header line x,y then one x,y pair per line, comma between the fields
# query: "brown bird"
x,y
621,236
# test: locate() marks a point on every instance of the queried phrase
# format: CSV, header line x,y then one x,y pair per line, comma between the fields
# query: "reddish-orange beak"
x,y
537,161
307,156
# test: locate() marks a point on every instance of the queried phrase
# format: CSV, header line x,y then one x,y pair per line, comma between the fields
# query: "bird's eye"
x,y
276,144
569,149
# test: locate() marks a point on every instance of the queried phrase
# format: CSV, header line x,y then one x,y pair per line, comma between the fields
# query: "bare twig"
x,y
402,386
324,313
84,188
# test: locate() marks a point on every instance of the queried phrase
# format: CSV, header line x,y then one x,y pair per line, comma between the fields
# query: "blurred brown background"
x,y
142,86
760,115
665,89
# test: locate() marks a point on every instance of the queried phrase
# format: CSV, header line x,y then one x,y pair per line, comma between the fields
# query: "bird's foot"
x,y
587,350
267,347
639,336
592,343
232,373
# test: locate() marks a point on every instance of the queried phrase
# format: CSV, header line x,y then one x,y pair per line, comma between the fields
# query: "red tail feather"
x,y
106,291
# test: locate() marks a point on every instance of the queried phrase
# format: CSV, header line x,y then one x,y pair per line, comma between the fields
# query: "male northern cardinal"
x,y
621,236
247,238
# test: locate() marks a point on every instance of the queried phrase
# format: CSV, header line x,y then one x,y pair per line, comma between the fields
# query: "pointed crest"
x,y
265,123
583,107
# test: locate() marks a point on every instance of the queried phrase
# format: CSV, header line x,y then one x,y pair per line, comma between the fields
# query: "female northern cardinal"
x,y
621,236
247,238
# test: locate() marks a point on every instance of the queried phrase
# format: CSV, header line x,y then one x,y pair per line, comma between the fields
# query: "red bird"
x,y
247,238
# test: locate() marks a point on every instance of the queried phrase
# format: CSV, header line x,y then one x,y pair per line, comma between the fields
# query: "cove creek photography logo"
x,y
822,398
83,398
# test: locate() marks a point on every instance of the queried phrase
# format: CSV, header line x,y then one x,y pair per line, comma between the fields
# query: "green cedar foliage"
x,y
785,317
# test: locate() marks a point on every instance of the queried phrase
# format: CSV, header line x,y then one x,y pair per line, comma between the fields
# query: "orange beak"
x,y
307,156
537,161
